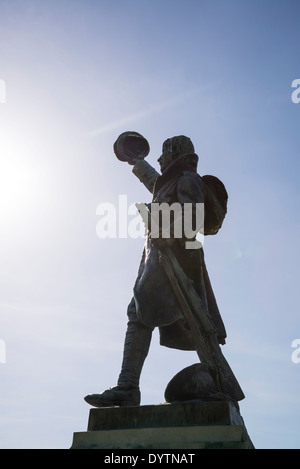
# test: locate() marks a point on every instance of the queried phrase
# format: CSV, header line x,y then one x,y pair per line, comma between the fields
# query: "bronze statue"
x,y
172,290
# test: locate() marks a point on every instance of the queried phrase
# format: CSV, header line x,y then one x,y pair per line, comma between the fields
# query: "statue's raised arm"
x,y
133,148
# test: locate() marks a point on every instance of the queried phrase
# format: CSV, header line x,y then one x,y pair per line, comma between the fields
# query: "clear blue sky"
x,y
77,74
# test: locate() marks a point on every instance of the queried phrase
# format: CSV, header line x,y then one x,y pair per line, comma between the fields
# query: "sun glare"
x,y
18,185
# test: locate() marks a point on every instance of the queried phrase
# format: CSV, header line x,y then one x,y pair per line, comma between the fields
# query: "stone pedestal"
x,y
185,425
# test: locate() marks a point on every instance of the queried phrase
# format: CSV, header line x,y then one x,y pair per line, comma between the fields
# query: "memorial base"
x,y
185,425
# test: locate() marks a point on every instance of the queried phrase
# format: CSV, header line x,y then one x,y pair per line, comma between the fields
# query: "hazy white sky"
x,y
77,74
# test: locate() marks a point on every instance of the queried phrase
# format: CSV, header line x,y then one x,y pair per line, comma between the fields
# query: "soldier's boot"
x,y
127,391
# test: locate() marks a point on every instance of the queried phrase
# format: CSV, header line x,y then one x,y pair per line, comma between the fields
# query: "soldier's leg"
x,y
136,347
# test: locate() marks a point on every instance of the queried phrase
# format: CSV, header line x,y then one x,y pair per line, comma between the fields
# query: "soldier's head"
x,y
173,148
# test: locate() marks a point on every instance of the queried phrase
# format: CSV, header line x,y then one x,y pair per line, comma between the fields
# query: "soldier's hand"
x,y
132,161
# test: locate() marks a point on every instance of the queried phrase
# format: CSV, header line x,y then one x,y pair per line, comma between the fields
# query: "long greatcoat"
x,y
154,300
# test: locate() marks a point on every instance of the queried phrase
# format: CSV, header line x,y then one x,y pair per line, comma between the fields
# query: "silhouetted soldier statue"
x,y
172,289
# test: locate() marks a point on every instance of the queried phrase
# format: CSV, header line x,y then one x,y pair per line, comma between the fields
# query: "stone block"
x,y
185,425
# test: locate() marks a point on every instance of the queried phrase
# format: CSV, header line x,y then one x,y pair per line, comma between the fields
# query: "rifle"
x,y
198,319
201,326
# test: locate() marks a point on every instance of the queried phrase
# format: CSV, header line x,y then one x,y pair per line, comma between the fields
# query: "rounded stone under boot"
x,y
116,396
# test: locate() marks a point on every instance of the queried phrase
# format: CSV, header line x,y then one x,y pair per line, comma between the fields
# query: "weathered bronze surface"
x,y
172,290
